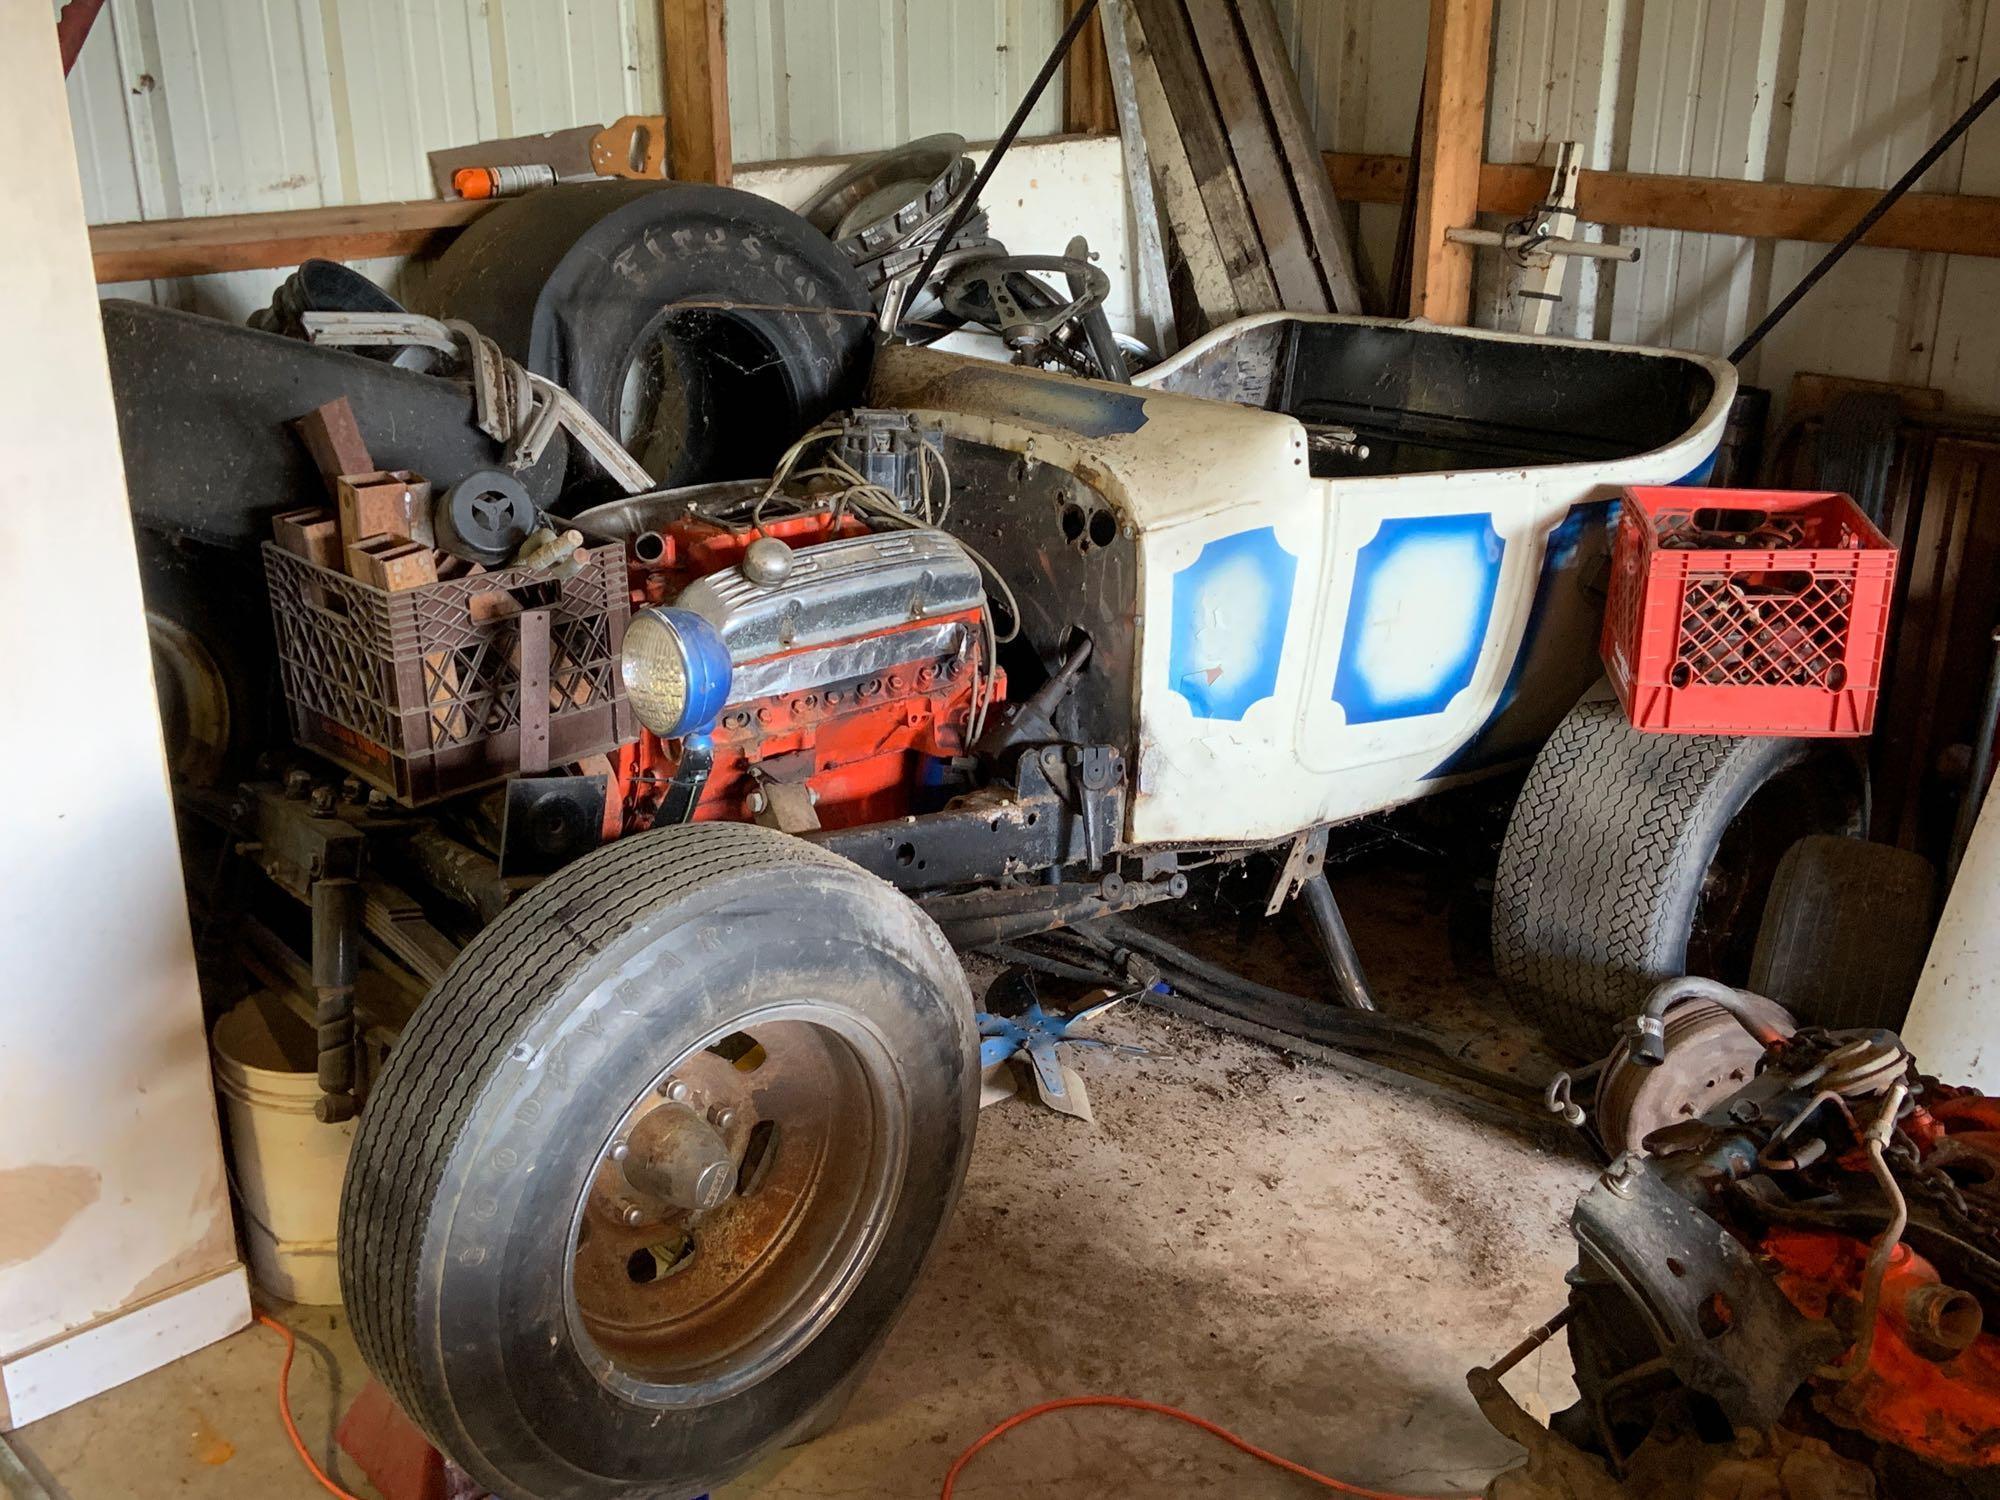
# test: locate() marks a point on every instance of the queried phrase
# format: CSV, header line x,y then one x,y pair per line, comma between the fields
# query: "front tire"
x,y
484,1255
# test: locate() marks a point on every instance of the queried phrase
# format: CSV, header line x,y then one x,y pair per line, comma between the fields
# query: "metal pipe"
x,y
1333,937
336,965
1494,239
1649,1029
1537,1337
458,871
1882,205
1876,1141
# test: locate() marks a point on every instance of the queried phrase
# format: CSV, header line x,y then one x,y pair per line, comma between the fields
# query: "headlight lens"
x,y
676,670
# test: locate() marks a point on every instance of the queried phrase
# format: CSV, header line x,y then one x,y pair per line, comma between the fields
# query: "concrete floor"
x,y
1308,1258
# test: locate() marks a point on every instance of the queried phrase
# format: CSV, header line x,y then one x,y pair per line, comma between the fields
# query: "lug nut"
x,y
620,1150
676,1090
721,1118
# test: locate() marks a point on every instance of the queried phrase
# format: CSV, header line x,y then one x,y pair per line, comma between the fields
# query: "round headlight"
x,y
676,670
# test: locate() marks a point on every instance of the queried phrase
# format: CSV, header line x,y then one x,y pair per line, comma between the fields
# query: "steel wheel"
x,y
652,1170
736,1202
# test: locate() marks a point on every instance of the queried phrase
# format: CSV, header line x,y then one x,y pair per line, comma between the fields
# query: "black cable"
x,y
1882,205
970,202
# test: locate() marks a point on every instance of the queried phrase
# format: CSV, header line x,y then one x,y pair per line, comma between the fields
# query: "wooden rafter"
x,y
1940,223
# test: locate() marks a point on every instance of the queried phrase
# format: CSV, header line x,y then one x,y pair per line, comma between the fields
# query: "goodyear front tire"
x,y
558,1331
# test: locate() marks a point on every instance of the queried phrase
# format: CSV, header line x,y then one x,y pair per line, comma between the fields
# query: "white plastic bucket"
x,y
288,1164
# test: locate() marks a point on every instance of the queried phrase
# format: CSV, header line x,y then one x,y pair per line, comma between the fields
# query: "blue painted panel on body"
x,y
1423,595
1557,658
1229,611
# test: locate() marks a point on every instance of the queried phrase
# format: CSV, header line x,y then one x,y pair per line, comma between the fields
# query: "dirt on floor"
x,y
1308,1258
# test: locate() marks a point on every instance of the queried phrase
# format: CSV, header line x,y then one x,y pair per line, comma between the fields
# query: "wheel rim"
x,y
193,701
677,1305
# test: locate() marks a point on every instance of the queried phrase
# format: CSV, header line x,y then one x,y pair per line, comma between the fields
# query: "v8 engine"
x,y
1787,1293
813,657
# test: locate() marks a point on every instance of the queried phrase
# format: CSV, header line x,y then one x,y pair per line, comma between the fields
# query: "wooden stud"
x,y
1198,252
1088,108
1169,41
1290,124
1457,59
697,91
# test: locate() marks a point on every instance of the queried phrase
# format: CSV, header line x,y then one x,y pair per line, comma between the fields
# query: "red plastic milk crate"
x,y
1747,612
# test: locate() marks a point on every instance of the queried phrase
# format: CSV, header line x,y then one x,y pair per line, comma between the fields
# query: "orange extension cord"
x,y
285,1410
1243,1445
1068,1403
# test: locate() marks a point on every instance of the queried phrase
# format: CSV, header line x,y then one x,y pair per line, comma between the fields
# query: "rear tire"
x,y
464,1223
1631,858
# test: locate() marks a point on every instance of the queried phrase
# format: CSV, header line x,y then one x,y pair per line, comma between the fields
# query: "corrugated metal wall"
x,y
215,106
1836,92
186,107
827,77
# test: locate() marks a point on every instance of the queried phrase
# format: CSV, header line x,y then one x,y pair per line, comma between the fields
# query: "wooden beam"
x,y
1088,108
697,91
249,242
1938,223
1458,56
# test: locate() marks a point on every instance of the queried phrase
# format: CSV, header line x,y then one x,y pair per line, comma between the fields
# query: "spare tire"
x,y
706,328
1846,930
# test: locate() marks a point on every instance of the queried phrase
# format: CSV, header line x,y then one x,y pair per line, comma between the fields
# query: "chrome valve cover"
x,y
878,600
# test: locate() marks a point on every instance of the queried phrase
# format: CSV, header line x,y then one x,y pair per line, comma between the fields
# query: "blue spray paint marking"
x,y
1582,535
1702,472
1229,611
1423,594
1065,405
1578,537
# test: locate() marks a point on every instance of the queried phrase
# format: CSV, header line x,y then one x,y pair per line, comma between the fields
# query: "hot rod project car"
x,y
661,1148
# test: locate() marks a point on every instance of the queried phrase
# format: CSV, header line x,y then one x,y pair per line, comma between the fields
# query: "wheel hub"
x,y
733,1205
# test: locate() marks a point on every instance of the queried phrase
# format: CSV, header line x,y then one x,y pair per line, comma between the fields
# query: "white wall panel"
x,y
1878,80
824,77
1703,104
1361,69
1557,66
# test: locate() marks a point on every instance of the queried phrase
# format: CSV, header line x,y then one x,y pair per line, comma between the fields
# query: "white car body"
x,y
1316,649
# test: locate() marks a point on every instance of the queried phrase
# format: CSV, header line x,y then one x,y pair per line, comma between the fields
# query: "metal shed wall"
x,y
1837,92
213,106
189,107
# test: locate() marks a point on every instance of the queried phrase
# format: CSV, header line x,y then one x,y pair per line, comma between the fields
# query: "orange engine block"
x,y
850,747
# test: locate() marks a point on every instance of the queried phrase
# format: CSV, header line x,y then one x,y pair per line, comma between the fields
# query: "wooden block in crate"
x,y
385,502
392,563
334,439
310,532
